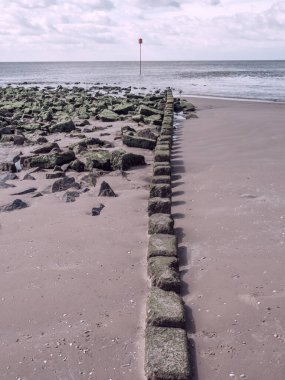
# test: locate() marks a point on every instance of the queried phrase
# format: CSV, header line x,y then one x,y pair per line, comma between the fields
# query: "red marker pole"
x,y
140,43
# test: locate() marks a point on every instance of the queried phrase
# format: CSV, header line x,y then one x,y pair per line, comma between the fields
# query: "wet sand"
x,y
73,285
230,216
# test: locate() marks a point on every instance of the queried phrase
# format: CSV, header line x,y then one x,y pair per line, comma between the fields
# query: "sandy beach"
x,y
229,209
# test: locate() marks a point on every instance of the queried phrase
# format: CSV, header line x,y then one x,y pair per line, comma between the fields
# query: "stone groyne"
x,y
166,344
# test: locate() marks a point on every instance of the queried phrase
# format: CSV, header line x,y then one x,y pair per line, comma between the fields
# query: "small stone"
x,y
70,196
106,190
28,177
17,204
97,210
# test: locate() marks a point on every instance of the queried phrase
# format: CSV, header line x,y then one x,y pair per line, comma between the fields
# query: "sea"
x,y
252,80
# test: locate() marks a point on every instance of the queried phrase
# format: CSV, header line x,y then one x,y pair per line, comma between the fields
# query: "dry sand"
x,y
229,206
73,285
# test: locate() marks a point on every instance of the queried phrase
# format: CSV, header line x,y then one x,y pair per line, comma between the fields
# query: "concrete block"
x,y
163,272
162,245
166,354
159,205
164,309
160,224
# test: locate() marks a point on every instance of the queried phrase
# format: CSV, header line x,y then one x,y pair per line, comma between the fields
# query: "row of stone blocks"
x,y
166,345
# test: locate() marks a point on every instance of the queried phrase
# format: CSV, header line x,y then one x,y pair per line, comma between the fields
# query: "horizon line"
x,y
136,61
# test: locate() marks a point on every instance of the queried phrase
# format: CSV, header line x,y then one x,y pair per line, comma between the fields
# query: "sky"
x,y
99,30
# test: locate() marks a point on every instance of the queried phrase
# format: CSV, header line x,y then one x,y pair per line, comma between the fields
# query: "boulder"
x,y
98,160
66,125
64,184
138,142
47,148
77,165
49,161
123,108
107,115
148,111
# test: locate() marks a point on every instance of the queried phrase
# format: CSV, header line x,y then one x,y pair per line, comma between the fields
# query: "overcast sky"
x,y
56,30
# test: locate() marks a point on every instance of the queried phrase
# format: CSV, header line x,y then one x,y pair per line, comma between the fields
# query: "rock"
x,y
164,309
187,106
90,179
162,245
7,138
160,224
138,142
28,177
62,126
8,177
42,140
4,185
137,118
45,148
77,165
163,272
97,210
130,159
55,175
116,159
49,161
148,133
8,167
98,160
107,115
19,139
148,111
28,191
159,205
106,190
123,108
17,204
154,120
64,184
70,196
166,354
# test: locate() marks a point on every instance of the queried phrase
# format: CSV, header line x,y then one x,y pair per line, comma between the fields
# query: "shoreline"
x,y
251,100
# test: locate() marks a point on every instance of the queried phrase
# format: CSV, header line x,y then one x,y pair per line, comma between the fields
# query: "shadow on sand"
x,y
177,165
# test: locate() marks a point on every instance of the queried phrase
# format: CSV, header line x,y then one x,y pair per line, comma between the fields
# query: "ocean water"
x,y
259,80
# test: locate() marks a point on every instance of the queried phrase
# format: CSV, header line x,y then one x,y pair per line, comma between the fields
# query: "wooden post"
x,y
140,43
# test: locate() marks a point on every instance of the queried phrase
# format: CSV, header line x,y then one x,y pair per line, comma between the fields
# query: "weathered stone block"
x,y
138,142
162,245
161,156
160,191
159,205
161,179
166,354
162,170
164,309
163,272
160,224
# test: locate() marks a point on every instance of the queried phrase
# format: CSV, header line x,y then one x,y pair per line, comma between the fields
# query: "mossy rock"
x,y
123,108
138,142
63,126
108,115
148,111
49,161
98,160
161,179
162,245
164,309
